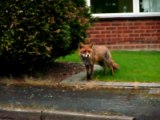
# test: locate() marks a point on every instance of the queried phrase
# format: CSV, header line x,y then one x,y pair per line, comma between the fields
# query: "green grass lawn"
x,y
135,66
70,58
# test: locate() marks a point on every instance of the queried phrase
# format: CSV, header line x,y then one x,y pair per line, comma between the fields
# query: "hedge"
x,y
36,32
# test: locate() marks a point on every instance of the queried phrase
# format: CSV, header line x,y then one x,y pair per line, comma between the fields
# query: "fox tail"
x,y
114,65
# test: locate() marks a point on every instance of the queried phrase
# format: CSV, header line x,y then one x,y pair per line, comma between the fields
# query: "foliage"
x,y
34,32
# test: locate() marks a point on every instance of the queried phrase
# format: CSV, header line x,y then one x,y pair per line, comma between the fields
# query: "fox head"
x,y
85,53
85,50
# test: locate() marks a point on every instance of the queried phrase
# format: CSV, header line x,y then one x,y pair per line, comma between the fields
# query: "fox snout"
x,y
86,55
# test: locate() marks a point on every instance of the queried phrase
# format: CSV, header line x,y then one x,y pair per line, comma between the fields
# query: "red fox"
x,y
91,54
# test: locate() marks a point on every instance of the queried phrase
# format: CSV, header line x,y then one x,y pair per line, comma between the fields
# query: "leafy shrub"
x,y
35,32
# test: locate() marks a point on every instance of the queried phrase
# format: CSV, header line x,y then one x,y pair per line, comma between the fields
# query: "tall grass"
x,y
135,66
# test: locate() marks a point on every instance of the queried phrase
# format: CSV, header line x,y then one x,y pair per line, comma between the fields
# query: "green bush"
x,y
35,32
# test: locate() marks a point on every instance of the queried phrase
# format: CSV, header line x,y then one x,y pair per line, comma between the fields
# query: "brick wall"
x,y
137,33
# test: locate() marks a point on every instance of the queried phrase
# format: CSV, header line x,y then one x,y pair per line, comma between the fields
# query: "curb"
x,y
56,115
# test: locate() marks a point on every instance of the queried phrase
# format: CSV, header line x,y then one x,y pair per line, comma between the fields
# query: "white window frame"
x,y
136,12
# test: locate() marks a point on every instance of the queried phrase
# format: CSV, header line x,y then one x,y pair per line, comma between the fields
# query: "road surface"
x,y
135,103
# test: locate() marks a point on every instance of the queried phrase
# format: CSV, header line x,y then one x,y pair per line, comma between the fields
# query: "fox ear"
x,y
80,45
91,45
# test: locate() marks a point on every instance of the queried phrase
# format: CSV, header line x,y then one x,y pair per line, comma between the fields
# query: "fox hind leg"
x,y
111,68
108,62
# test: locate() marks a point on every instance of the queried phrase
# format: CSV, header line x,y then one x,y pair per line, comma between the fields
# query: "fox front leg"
x,y
89,70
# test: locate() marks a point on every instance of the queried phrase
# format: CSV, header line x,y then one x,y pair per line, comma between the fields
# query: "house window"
x,y
149,6
124,8
111,6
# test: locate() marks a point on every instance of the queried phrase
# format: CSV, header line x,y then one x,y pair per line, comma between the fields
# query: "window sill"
x,y
125,15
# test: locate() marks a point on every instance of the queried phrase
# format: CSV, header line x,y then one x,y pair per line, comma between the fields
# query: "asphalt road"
x,y
135,103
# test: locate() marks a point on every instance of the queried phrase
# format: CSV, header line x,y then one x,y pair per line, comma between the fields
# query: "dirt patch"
x,y
61,71
50,76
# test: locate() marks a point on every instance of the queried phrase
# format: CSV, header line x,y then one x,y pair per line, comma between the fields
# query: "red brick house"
x,y
126,24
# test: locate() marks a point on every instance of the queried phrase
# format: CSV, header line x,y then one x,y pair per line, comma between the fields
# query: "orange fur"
x,y
92,54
